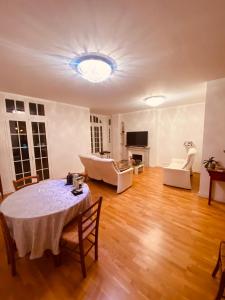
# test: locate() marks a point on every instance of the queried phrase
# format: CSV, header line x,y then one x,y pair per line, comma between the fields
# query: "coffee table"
x,y
138,169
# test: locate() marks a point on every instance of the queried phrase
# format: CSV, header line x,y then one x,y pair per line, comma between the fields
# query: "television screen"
x,y
137,138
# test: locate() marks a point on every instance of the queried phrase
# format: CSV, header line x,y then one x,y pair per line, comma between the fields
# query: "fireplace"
x,y
137,158
140,154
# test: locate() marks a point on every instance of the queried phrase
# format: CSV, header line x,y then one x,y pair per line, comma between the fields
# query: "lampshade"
x,y
154,100
94,67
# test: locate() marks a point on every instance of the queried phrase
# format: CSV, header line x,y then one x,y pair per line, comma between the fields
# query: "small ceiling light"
x,y
94,67
154,100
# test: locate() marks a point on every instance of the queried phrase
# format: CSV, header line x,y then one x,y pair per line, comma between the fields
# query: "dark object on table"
x,y
69,179
217,175
77,192
79,176
81,231
220,264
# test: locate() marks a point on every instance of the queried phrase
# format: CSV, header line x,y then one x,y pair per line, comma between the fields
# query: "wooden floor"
x,y
156,242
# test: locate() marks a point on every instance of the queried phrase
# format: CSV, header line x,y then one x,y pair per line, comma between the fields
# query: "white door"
x,y
27,139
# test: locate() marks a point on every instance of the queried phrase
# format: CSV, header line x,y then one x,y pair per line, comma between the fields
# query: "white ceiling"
x,y
169,47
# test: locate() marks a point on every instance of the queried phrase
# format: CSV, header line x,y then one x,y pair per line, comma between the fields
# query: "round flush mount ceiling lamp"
x,y
94,67
155,100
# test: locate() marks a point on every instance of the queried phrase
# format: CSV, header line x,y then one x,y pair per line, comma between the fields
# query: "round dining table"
x,y
37,214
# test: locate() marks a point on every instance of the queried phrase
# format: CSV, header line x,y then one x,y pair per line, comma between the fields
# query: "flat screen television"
x,y
137,138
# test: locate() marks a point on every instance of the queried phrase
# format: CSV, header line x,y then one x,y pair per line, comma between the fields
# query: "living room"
x,y
155,241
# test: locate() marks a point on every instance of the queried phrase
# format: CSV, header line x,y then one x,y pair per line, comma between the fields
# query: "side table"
x,y
215,175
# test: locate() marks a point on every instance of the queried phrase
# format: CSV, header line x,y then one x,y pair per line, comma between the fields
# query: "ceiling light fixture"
x,y
154,100
94,67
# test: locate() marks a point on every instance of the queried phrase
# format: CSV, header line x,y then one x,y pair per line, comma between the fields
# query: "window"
x,y
40,149
14,106
92,149
109,133
101,139
28,139
37,109
96,139
96,134
21,159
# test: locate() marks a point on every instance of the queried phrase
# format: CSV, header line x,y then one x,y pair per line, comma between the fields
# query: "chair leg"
x,y
82,261
221,287
83,267
57,260
96,248
216,267
13,266
8,254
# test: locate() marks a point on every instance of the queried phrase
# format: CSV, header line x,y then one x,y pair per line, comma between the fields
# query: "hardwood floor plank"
x,y
156,242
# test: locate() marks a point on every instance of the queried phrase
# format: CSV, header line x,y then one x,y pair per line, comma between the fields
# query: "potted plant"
x,y
210,163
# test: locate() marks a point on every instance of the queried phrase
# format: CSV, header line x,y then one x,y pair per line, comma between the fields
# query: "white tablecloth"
x,y
36,215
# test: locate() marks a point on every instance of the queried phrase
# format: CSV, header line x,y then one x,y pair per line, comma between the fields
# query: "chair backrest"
x,y
88,221
9,243
90,167
25,181
107,169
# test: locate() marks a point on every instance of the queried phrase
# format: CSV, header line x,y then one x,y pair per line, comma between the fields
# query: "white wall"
x,y
142,121
168,129
5,165
105,132
176,125
214,135
68,135
116,145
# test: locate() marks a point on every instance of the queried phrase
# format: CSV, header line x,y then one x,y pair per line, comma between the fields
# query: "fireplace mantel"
x,y
144,151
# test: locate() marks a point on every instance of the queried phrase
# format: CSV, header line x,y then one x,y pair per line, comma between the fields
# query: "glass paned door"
x,y
96,139
101,138
40,149
21,159
92,150
96,134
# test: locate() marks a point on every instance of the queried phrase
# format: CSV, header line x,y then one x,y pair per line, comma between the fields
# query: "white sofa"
x,y
105,169
179,171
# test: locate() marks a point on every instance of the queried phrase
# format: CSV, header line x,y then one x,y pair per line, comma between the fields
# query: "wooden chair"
x,y
83,228
25,181
9,244
220,264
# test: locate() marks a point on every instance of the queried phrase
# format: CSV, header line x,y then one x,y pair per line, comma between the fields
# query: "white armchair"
x,y
179,171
